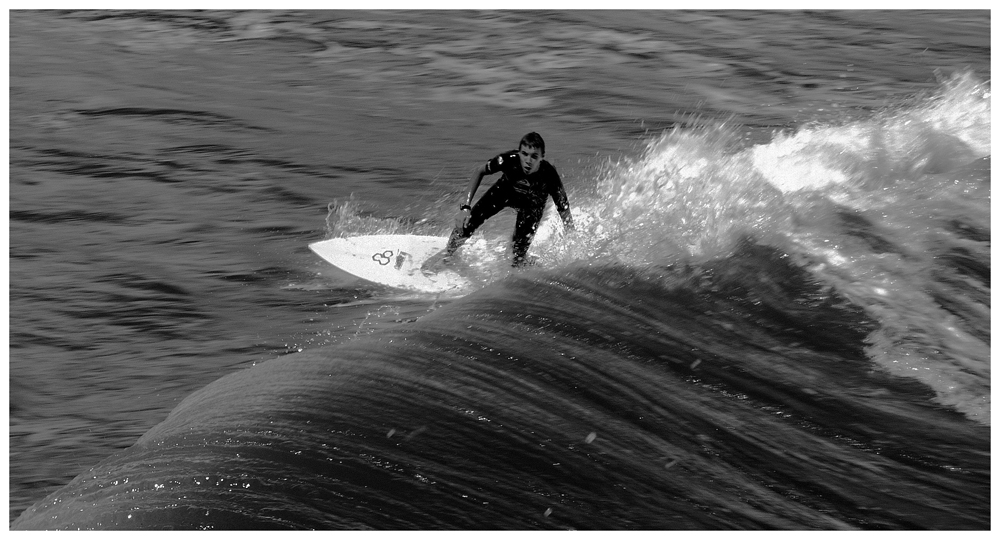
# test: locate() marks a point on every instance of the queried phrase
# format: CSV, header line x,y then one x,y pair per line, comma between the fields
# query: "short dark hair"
x,y
533,140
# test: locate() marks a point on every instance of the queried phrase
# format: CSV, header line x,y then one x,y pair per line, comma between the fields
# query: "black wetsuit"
x,y
525,193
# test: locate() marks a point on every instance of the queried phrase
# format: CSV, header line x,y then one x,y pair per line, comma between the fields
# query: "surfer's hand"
x,y
462,218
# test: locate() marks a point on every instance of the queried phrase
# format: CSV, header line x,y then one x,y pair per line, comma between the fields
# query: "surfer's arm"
x,y
477,178
492,166
562,203
462,219
567,218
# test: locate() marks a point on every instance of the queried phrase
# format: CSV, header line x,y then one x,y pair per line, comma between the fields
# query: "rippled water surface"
x,y
815,184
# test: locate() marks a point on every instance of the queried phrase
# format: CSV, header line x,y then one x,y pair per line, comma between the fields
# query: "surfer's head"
x,y
531,152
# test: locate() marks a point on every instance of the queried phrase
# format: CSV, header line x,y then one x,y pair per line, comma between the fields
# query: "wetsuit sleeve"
x,y
499,163
558,194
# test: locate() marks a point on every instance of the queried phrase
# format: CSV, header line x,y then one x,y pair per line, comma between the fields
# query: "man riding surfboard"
x,y
527,182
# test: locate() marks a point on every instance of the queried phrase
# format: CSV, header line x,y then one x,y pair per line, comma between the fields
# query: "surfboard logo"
x,y
401,258
383,257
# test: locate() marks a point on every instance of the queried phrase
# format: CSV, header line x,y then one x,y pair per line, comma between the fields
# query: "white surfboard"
x,y
391,259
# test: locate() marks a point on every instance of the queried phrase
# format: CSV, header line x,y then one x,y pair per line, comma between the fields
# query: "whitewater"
x,y
774,312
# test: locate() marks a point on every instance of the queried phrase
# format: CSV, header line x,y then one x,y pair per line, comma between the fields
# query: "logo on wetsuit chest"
x,y
529,191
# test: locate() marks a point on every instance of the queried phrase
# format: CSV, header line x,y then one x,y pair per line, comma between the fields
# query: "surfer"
x,y
527,182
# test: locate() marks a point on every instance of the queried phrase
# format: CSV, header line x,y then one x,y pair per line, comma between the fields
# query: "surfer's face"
x,y
531,158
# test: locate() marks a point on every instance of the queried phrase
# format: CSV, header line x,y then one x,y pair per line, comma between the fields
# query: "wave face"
x,y
734,394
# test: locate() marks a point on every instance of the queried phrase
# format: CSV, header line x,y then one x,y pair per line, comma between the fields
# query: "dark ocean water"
x,y
775,312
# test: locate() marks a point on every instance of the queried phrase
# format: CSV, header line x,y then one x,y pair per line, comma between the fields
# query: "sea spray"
x,y
891,210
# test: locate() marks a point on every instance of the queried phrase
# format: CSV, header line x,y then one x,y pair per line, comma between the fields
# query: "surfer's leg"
x,y
524,233
493,201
